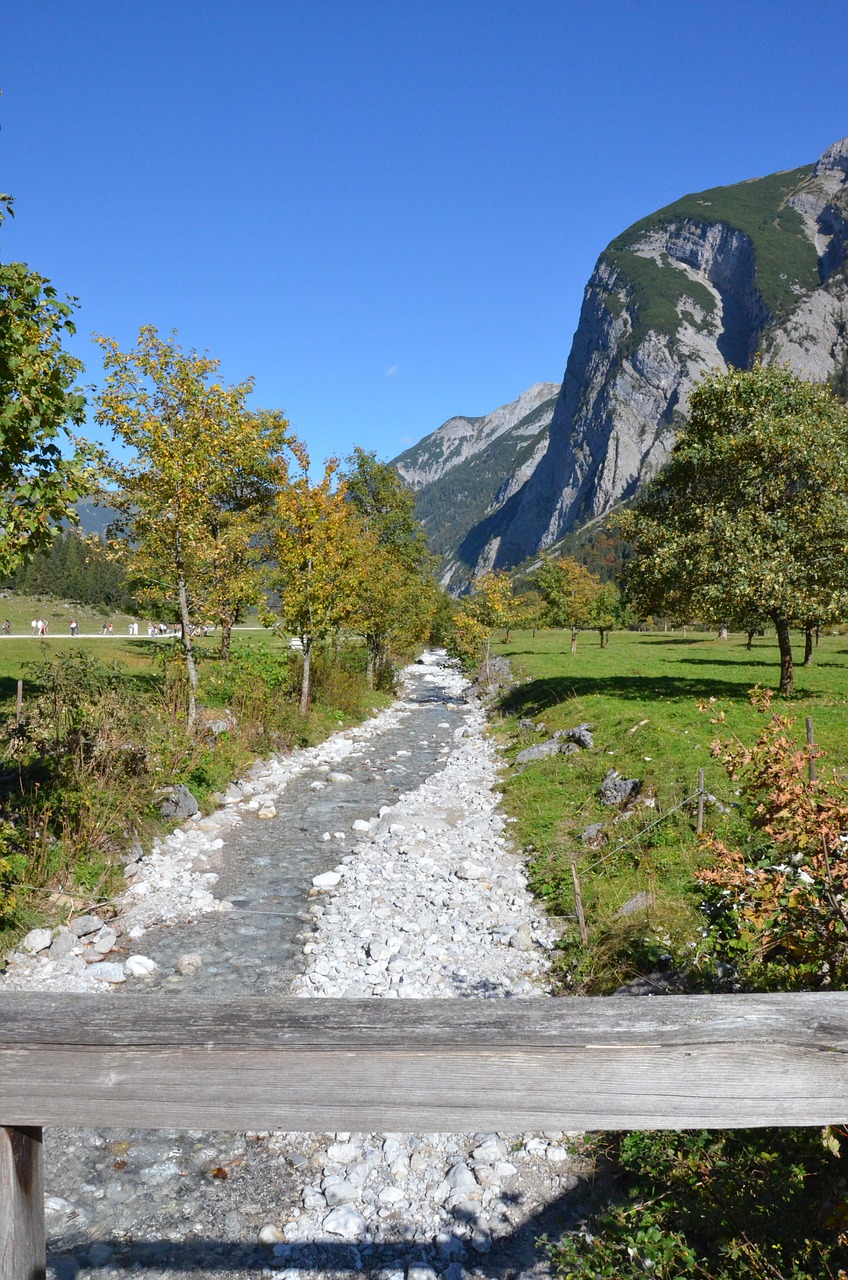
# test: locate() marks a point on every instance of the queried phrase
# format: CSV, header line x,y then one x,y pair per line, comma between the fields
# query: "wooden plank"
x,y
22,1245
251,1023
438,1065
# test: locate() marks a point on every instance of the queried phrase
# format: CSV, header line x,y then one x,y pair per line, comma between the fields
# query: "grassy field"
x,y
642,695
20,610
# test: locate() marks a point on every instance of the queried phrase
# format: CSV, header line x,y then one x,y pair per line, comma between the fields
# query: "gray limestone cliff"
x,y
702,284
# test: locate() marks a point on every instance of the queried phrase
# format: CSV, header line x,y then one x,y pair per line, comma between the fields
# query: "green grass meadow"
x,y
641,694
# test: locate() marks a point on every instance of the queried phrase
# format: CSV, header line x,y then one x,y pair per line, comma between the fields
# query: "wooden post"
x,y
22,1244
811,746
701,794
20,704
578,898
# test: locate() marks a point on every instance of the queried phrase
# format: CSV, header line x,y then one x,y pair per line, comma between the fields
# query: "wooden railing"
x,y
449,1066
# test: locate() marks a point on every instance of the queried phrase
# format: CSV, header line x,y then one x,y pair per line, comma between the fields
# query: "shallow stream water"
x,y
266,867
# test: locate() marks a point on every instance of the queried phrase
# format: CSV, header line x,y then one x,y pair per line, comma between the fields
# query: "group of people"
x,y
39,626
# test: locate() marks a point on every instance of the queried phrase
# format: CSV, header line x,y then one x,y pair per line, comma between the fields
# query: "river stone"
x,y
269,1234
189,963
178,802
344,1222
140,966
326,880
36,940
84,925
339,777
107,972
342,1192
105,940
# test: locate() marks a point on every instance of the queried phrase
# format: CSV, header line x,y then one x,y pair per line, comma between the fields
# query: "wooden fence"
x,y
448,1066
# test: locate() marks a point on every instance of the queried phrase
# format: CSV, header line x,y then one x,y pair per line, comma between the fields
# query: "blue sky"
x,y
386,211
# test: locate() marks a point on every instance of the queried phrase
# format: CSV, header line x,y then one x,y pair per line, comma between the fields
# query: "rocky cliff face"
x,y
703,284
470,466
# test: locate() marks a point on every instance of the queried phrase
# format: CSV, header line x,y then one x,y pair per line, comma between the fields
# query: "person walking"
x,y
74,627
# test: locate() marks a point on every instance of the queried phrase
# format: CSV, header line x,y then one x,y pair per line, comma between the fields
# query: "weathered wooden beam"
x,y
430,1065
22,1246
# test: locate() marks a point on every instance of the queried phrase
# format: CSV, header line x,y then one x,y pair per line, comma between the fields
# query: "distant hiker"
x,y
7,627
74,627
34,625
110,629
42,627
104,629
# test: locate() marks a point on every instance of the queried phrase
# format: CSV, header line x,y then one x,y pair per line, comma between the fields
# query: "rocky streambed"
x,y
375,865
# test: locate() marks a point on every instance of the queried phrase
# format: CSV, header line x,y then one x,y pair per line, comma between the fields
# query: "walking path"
x,y
420,897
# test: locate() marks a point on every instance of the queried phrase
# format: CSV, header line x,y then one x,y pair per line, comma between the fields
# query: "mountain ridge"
x,y
706,282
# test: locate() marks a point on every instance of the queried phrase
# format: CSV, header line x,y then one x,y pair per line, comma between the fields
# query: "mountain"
x,y
704,283
471,466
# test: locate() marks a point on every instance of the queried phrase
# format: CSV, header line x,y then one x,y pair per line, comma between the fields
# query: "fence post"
x,y
578,898
701,795
19,710
811,746
23,1253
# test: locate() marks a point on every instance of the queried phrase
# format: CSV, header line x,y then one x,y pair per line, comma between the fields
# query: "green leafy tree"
x,y
606,611
194,496
39,405
395,603
750,515
319,558
569,591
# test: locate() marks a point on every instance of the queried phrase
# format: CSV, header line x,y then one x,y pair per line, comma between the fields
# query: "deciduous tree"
x,y
194,494
749,518
396,598
569,591
40,404
319,558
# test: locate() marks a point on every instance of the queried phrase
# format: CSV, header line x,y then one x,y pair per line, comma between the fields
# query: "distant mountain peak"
x,y
706,282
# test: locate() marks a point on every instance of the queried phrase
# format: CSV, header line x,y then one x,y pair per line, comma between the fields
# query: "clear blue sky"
x,y
384,210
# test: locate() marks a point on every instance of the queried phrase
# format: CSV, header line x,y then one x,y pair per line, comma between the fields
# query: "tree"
x,y
605,611
396,601
39,404
319,558
193,498
492,604
569,591
749,518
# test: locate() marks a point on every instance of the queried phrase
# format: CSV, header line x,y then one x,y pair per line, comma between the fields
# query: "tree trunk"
x,y
188,650
306,679
808,646
751,635
784,643
226,637
573,639
370,664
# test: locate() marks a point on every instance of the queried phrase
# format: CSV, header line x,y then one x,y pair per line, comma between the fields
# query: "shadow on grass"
x,y
537,695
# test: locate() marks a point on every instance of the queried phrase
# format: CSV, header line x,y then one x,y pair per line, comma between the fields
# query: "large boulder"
x,y
178,803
